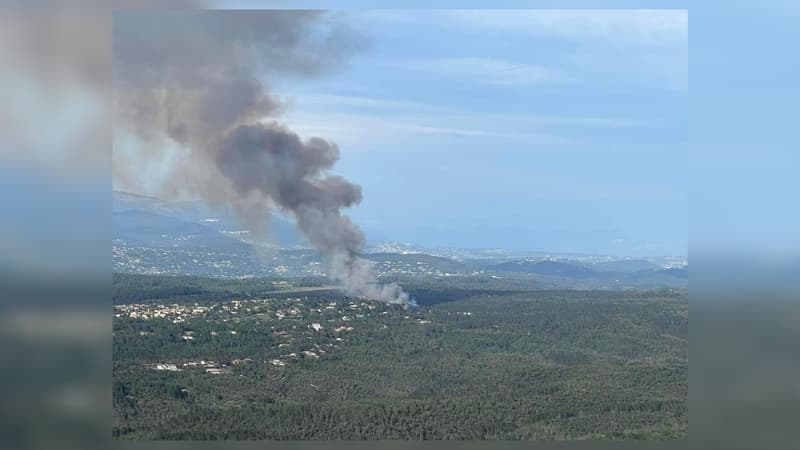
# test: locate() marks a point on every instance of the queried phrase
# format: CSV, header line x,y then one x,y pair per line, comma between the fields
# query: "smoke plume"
x,y
195,81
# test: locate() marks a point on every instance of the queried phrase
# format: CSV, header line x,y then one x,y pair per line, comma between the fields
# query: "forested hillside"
x,y
489,364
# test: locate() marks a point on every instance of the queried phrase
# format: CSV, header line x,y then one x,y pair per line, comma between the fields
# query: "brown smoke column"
x,y
194,79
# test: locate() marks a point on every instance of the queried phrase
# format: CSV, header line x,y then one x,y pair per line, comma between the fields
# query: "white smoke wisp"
x,y
360,279
193,79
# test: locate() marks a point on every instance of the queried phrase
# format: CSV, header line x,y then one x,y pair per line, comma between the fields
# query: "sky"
x,y
532,130
540,130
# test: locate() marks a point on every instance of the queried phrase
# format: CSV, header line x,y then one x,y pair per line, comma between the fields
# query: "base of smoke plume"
x,y
390,293
358,278
410,302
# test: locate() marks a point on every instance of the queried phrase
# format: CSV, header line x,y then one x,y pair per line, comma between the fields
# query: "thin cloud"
x,y
362,102
359,128
650,27
485,70
366,106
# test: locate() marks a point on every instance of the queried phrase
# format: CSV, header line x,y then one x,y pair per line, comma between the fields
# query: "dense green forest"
x,y
231,361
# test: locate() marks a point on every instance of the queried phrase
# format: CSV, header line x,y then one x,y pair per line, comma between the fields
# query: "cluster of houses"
x,y
211,367
307,330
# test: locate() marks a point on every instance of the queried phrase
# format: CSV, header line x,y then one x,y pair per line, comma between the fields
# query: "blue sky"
x,y
551,130
535,130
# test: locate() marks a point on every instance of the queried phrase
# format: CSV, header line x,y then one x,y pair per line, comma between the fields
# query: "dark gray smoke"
x,y
195,80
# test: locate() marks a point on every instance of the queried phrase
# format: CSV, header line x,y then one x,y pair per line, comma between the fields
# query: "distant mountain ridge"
x,y
281,231
144,228
421,261
672,276
545,267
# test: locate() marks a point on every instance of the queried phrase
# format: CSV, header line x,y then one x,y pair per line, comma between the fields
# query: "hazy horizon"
x,y
372,242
